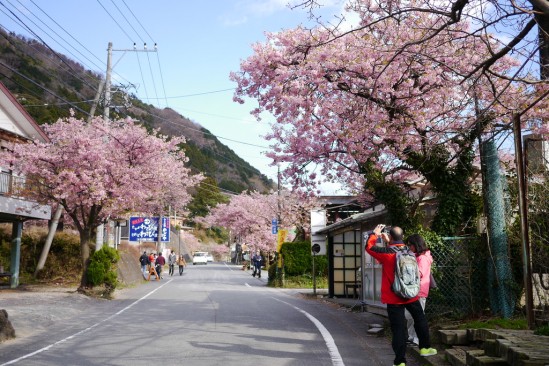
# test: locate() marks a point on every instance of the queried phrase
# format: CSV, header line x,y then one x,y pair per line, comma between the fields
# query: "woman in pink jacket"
x,y
424,260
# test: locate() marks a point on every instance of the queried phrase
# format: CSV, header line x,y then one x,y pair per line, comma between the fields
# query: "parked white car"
x,y
200,258
210,257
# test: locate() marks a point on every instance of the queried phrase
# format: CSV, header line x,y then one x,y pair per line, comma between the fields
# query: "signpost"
x,y
315,249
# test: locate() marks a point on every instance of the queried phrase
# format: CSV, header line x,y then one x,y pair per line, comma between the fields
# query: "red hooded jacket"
x,y
387,257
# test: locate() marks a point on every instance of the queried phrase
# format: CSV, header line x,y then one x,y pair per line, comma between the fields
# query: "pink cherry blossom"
x,y
103,169
249,216
400,80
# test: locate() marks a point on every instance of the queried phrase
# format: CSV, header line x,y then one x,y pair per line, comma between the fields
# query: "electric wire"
x,y
115,22
70,35
157,52
127,21
39,38
138,22
197,94
73,104
208,133
152,76
141,73
103,63
162,78
45,89
16,46
57,34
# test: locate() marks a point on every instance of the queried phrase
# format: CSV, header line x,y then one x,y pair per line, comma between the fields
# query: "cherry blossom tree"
x,y
518,27
379,101
249,216
190,241
102,169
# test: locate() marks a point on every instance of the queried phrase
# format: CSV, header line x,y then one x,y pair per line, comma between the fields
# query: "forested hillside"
x,y
49,85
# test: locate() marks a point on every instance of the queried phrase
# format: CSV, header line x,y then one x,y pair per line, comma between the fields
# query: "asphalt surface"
x,y
214,314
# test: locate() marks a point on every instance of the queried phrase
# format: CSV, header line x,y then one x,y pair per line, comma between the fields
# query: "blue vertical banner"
x,y
165,229
274,226
146,229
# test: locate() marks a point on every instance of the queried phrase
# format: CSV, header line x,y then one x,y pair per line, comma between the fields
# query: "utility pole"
x,y
99,230
108,83
106,116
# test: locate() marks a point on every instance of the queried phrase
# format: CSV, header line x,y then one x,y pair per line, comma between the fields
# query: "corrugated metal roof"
x,y
350,221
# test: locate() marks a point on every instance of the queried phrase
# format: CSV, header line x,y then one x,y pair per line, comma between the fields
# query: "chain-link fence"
x,y
459,269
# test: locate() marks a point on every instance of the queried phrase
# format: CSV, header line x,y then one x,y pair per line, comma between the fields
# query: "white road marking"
x,y
83,330
328,339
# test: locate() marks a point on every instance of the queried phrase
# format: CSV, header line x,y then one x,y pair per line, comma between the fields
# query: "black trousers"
x,y
171,269
257,270
181,270
398,328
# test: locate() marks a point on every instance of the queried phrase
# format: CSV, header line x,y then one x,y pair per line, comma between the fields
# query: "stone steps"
x,y
483,347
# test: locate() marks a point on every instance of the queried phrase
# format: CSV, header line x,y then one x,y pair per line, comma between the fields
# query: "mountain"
x,y
49,84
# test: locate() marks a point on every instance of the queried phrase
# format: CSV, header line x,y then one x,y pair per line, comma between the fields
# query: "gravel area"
x,y
32,309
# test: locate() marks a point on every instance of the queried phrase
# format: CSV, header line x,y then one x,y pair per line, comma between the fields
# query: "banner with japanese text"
x,y
146,229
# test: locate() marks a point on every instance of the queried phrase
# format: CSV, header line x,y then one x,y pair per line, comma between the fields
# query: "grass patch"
x,y
543,330
305,281
496,323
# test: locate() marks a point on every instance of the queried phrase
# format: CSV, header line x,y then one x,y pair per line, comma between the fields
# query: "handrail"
x,y
11,185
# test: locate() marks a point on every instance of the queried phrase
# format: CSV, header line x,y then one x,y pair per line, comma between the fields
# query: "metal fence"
x,y
459,269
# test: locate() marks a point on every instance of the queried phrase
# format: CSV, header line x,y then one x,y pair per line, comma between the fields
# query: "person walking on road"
x,y
160,262
417,244
181,263
144,260
171,262
257,261
396,304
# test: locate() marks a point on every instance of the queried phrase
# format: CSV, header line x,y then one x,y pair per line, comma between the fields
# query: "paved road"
x,y
215,314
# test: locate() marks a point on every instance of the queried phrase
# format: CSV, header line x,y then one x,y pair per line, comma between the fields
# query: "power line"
x,y
38,37
127,21
41,86
16,46
100,68
30,11
197,94
152,76
70,35
162,78
138,22
115,22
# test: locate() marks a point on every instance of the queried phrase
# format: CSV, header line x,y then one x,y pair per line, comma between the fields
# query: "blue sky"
x,y
199,44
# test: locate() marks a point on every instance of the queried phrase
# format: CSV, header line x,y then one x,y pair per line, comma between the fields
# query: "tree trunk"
x,y
85,240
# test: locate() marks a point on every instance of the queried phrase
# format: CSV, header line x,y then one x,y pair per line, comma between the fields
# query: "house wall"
x,y
6,123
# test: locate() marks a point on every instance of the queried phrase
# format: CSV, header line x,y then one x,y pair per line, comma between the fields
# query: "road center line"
x,y
328,339
83,330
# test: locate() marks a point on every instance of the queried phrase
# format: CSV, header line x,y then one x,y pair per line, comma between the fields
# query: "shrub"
x,y
543,330
102,269
298,260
